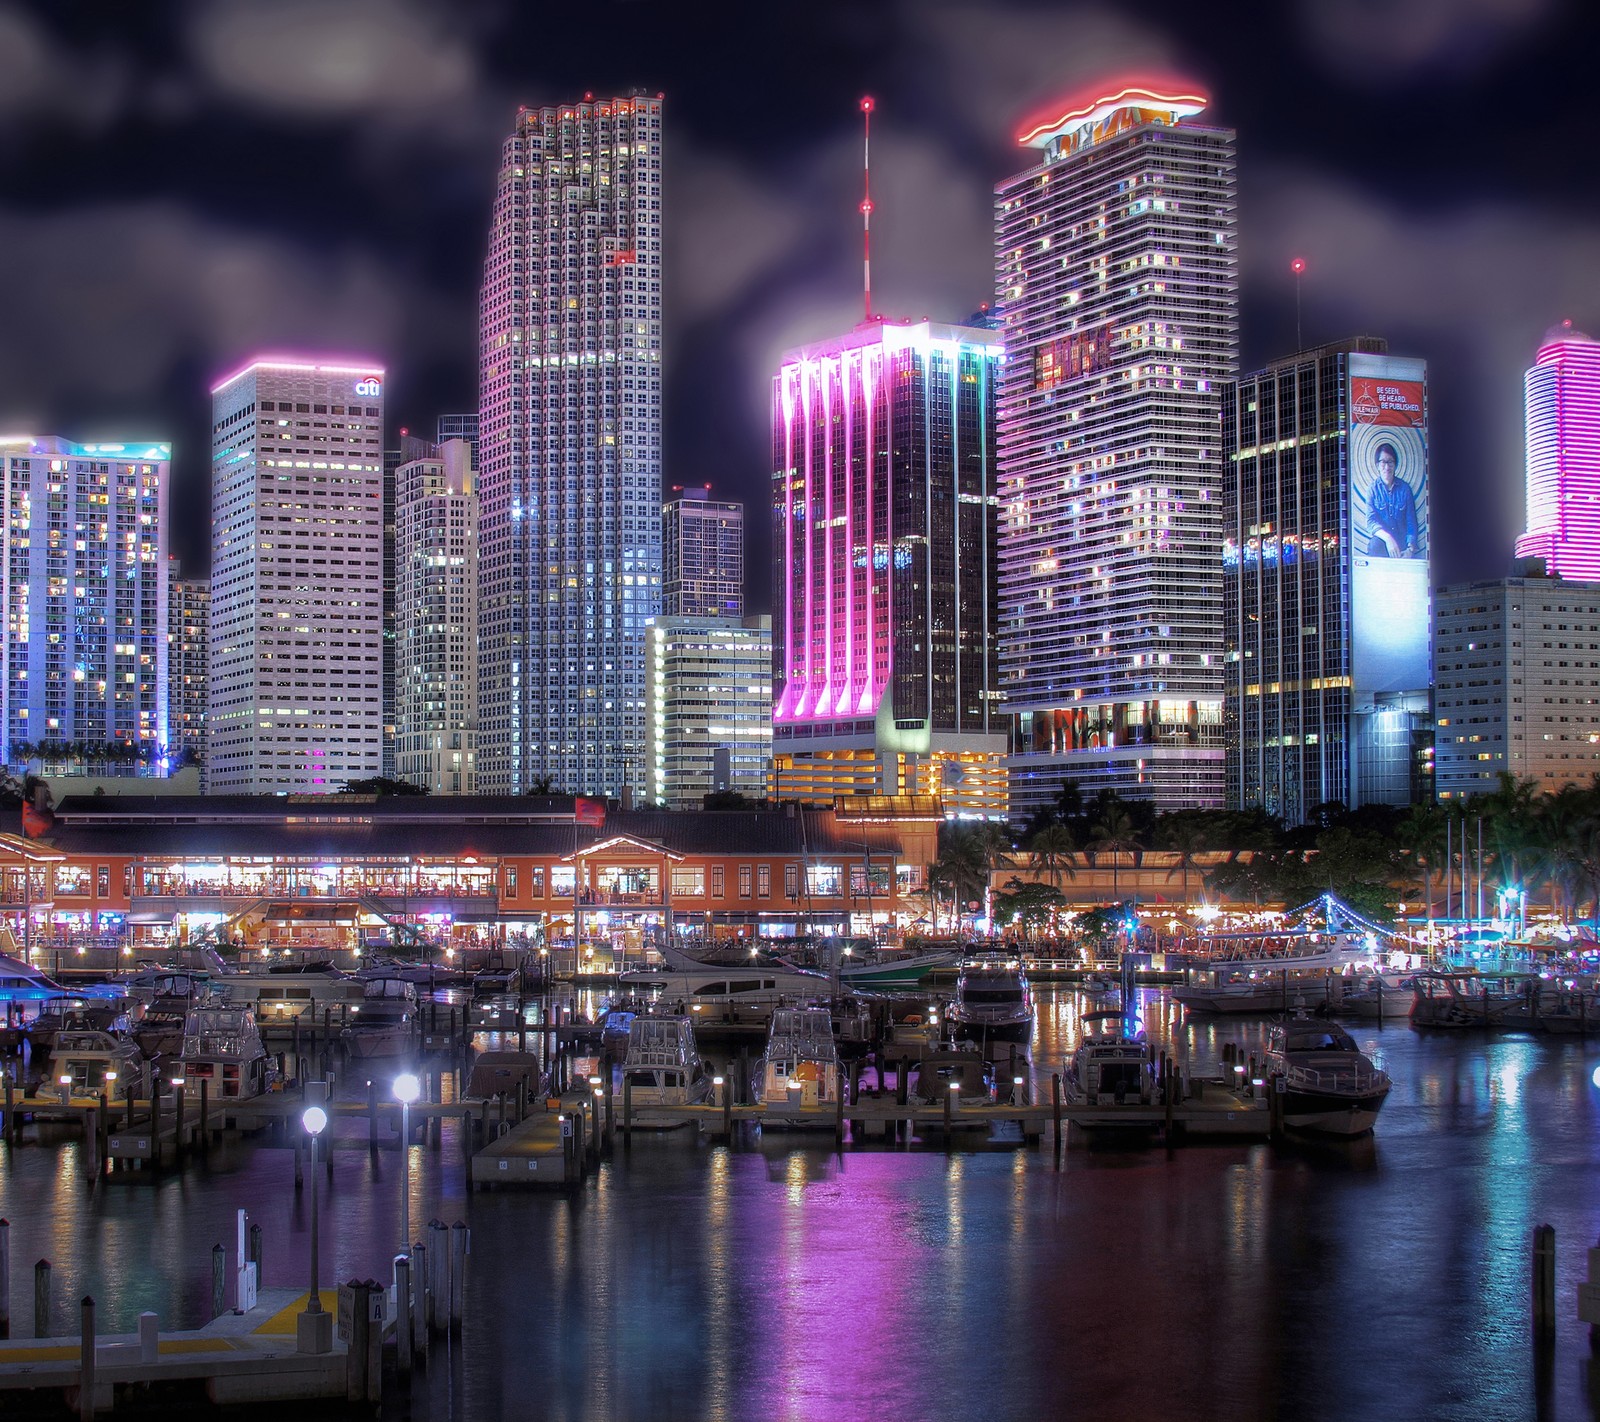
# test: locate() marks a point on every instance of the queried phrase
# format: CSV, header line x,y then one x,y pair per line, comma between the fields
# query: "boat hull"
x,y
1332,1114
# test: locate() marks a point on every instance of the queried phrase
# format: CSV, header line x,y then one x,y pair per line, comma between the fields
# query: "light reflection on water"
x,y
1379,1278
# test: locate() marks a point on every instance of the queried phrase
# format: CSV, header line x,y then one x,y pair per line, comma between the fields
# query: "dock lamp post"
x,y
314,1327
406,1090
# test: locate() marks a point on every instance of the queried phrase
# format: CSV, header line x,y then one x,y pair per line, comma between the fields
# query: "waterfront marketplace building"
x,y
353,871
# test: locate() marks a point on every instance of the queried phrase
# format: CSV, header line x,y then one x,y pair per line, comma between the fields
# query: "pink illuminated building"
x,y
1563,412
884,508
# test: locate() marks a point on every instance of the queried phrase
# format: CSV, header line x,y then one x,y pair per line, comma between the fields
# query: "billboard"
x,y
1390,533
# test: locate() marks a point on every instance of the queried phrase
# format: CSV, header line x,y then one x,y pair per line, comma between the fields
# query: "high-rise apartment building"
x,y
296,636
1325,558
83,595
1562,394
569,450
702,553
1517,685
1117,280
436,557
710,708
188,621
884,515
459,427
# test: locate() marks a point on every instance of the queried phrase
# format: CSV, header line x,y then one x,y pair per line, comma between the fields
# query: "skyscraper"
x,y
83,594
710,708
1562,391
1117,280
188,620
459,427
1326,625
702,549
570,447
884,513
296,654
436,564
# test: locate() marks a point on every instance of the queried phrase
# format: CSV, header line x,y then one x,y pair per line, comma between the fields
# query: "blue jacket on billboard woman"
x,y
1391,510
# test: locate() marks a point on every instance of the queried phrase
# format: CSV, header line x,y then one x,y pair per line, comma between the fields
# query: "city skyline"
x,y
768,226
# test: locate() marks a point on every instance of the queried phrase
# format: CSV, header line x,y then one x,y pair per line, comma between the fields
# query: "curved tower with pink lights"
x,y
1562,393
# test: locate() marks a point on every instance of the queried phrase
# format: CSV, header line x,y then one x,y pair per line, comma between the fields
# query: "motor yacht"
x,y
72,1012
992,1004
384,1022
1328,1084
1460,1001
95,1061
663,1068
159,1017
21,983
800,1067
729,996
888,970
933,1076
222,1045
279,996
1110,1066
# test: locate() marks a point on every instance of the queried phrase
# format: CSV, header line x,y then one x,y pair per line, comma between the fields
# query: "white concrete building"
x,y
569,450
296,636
83,596
436,653
1117,278
709,708
1516,684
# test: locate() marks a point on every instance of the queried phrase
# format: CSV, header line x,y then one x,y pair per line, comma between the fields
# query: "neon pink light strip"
x,y
1562,392
302,363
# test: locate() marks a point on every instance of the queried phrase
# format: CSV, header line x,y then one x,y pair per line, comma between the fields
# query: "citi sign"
x,y
369,387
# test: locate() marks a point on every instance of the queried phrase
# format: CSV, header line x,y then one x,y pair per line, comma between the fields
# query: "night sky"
x,y
185,184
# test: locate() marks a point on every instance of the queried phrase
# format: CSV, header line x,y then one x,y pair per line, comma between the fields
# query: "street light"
x,y
314,1327
406,1090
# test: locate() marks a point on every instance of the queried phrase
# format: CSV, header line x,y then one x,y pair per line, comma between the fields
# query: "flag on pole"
x,y
589,812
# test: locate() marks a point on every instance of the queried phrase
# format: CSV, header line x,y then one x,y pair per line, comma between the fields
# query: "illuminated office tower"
x,y
459,427
702,555
188,618
1562,393
569,451
710,708
436,655
1117,279
884,510
83,593
296,636
1325,558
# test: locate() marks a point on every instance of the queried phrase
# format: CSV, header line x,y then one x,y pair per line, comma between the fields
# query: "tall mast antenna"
x,y
866,204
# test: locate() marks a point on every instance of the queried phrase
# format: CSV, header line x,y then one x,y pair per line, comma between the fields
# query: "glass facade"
x,y
570,448
83,594
1117,279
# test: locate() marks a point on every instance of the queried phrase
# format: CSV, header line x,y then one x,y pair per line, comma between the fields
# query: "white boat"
x,y
663,1068
1110,1066
1459,1001
21,983
165,1001
280,996
72,1012
93,1062
725,995
992,1004
383,1023
1328,1084
933,1077
222,1045
891,971
800,1067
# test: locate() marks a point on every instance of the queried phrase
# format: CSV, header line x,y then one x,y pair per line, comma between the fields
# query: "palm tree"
x,y
1114,831
1187,838
1422,837
1051,850
963,864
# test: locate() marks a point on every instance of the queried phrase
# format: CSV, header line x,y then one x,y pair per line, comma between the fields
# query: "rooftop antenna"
x,y
1298,267
866,204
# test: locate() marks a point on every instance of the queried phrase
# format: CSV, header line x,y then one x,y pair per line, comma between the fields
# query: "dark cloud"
x,y
1373,41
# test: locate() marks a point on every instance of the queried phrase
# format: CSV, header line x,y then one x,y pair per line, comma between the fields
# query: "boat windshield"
x,y
992,995
1320,1040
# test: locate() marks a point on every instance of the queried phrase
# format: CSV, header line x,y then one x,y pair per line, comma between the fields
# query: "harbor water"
x,y
1383,1277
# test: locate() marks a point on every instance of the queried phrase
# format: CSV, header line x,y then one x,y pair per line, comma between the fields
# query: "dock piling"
x,y
1544,1281
41,1299
460,1247
205,1113
1055,1101
627,1109
149,1337
402,1315
256,1252
438,1277
372,1115
86,1359
419,1295
5,1278
219,1281
11,1114
299,1137
91,1142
